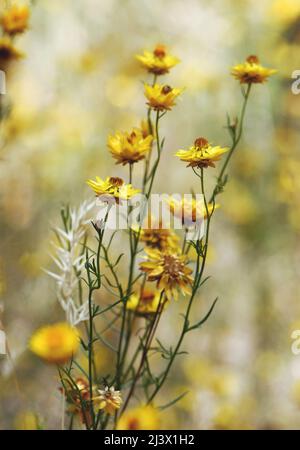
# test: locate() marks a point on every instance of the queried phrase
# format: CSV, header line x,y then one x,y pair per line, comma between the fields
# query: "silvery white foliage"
x,y
70,262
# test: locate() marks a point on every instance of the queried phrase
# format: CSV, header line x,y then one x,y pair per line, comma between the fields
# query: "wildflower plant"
x,y
158,270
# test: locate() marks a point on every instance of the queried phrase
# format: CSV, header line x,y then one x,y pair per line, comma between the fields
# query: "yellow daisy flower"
x,y
158,237
15,19
55,343
190,211
251,71
109,400
161,97
201,154
144,302
159,61
8,52
169,269
128,148
112,187
140,418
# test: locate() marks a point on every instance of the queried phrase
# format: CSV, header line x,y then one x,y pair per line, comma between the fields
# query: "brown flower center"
x,y
115,181
252,59
132,137
201,142
160,51
172,265
166,89
133,424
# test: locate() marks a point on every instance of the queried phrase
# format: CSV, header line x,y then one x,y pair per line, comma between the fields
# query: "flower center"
x,y
131,138
201,142
252,59
172,265
160,51
166,89
115,181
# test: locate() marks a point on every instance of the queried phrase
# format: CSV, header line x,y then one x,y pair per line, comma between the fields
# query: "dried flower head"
x,y
158,61
129,148
251,71
169,269
56,343
201,154
161,97
109,400
112,188
15,19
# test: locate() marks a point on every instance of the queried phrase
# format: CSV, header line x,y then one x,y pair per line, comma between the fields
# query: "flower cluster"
x,y
166,272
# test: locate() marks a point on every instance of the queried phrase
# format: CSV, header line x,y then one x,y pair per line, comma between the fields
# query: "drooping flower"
x,y
112,188
8,52
109,400
140,418
158,61
251,71
169,269
161,97
201,154
15,19
56,343
128,148
145,301
190,210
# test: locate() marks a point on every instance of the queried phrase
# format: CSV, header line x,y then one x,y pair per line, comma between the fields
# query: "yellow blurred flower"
x,y
109,400
141,418
190,211
56,343
8,52
159,61
169,269
128,148
15,19
27,420
112,187
161,97
201,154
251,71
144,302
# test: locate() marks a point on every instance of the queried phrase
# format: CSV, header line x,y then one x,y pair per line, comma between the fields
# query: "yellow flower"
x,y
169,269
15,19
112,187
8,52
128,148
159,238
190,211
159,61
109,400
201,154
251,71
161,97
145,302
26,420
140,418
55,343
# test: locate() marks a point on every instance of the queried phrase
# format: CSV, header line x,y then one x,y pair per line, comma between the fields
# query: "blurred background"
x,y
79,82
